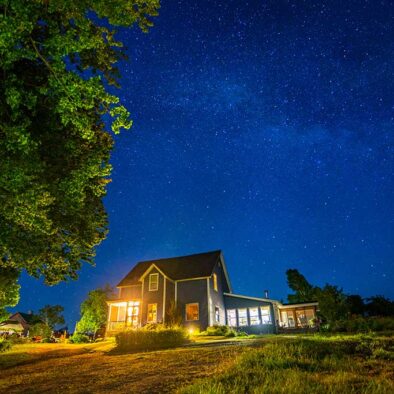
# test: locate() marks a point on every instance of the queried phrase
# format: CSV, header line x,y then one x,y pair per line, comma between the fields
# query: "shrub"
x,y
151,338
79,338
40,330
5,345
218,330
16,339
363,324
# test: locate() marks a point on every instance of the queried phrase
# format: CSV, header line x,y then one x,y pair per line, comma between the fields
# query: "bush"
x,y
5,345
363,324
17,339
151,338
79,338
218,330
40,330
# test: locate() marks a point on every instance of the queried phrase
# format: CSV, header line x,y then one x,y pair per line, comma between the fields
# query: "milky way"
x,y
264,129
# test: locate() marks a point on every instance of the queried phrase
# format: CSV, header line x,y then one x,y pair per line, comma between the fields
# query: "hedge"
x,y
149,339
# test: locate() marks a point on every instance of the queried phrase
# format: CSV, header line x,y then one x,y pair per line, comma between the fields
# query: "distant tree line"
x,y
334,304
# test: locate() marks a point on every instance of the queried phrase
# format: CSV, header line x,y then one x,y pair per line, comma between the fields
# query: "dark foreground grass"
x,y
318,364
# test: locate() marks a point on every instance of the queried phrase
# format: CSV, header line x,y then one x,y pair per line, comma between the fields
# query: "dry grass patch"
x,y
90,369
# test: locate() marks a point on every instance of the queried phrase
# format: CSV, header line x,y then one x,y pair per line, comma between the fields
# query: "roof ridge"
x,y
182,256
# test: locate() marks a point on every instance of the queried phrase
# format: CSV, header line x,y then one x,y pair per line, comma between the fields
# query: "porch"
x,y
123,314
298,317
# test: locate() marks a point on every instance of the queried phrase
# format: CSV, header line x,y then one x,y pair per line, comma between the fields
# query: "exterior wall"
x,y
152,297
170,296
193,291
238,302
130,292
217,298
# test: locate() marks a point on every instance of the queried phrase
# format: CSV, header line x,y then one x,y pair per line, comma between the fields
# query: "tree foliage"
x,y
57,62
379,306
94,310
331,299
303,290
51,315
9,290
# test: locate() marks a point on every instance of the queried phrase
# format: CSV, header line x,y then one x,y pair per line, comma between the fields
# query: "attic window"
x,y
215,282
153,282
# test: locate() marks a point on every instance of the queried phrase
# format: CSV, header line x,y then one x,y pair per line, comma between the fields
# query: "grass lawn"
x,y
279,364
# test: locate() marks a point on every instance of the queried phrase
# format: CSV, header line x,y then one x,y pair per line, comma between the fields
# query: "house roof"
x,y
29,318
176,268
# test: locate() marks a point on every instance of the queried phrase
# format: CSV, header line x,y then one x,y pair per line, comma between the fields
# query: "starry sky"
x,y
262,128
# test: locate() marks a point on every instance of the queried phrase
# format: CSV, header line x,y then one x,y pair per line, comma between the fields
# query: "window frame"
x,y
215,281
234,318
254,323
239,319
150,282
198,311
147,314
217,315
268,309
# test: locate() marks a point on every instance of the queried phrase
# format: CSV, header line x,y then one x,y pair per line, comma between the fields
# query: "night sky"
x,y
262,128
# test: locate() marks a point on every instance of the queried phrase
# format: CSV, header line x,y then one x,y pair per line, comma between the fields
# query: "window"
x,y
232,318
217,314
132,313
122,312
215,282
242,317
192,312
152,313
153,282
265,315
254,316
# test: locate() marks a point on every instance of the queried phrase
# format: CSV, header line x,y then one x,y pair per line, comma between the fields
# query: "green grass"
x,y
309,364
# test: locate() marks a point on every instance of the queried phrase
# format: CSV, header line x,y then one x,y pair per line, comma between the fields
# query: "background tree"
x,y
94,310
379,306
304,291
9,290
355,304
57,61
332,303
51,315
40,329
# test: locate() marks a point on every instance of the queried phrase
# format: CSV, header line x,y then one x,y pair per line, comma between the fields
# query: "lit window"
x,y
215,282
132,313
153,282
152,313
122,312
265,315
232,318
242,317
217,314
192,312
254,316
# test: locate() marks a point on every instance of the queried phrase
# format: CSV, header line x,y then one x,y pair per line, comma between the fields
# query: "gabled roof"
x,y
29,318
176,268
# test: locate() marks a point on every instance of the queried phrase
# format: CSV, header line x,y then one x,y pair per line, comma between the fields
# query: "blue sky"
x,y
261,128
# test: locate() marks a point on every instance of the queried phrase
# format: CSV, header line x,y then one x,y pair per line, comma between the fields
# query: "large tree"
x,y
9,290
94,310
51,315
57,60
303,290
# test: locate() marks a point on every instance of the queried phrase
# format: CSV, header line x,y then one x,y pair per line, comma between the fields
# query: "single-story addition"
x,y
199,289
